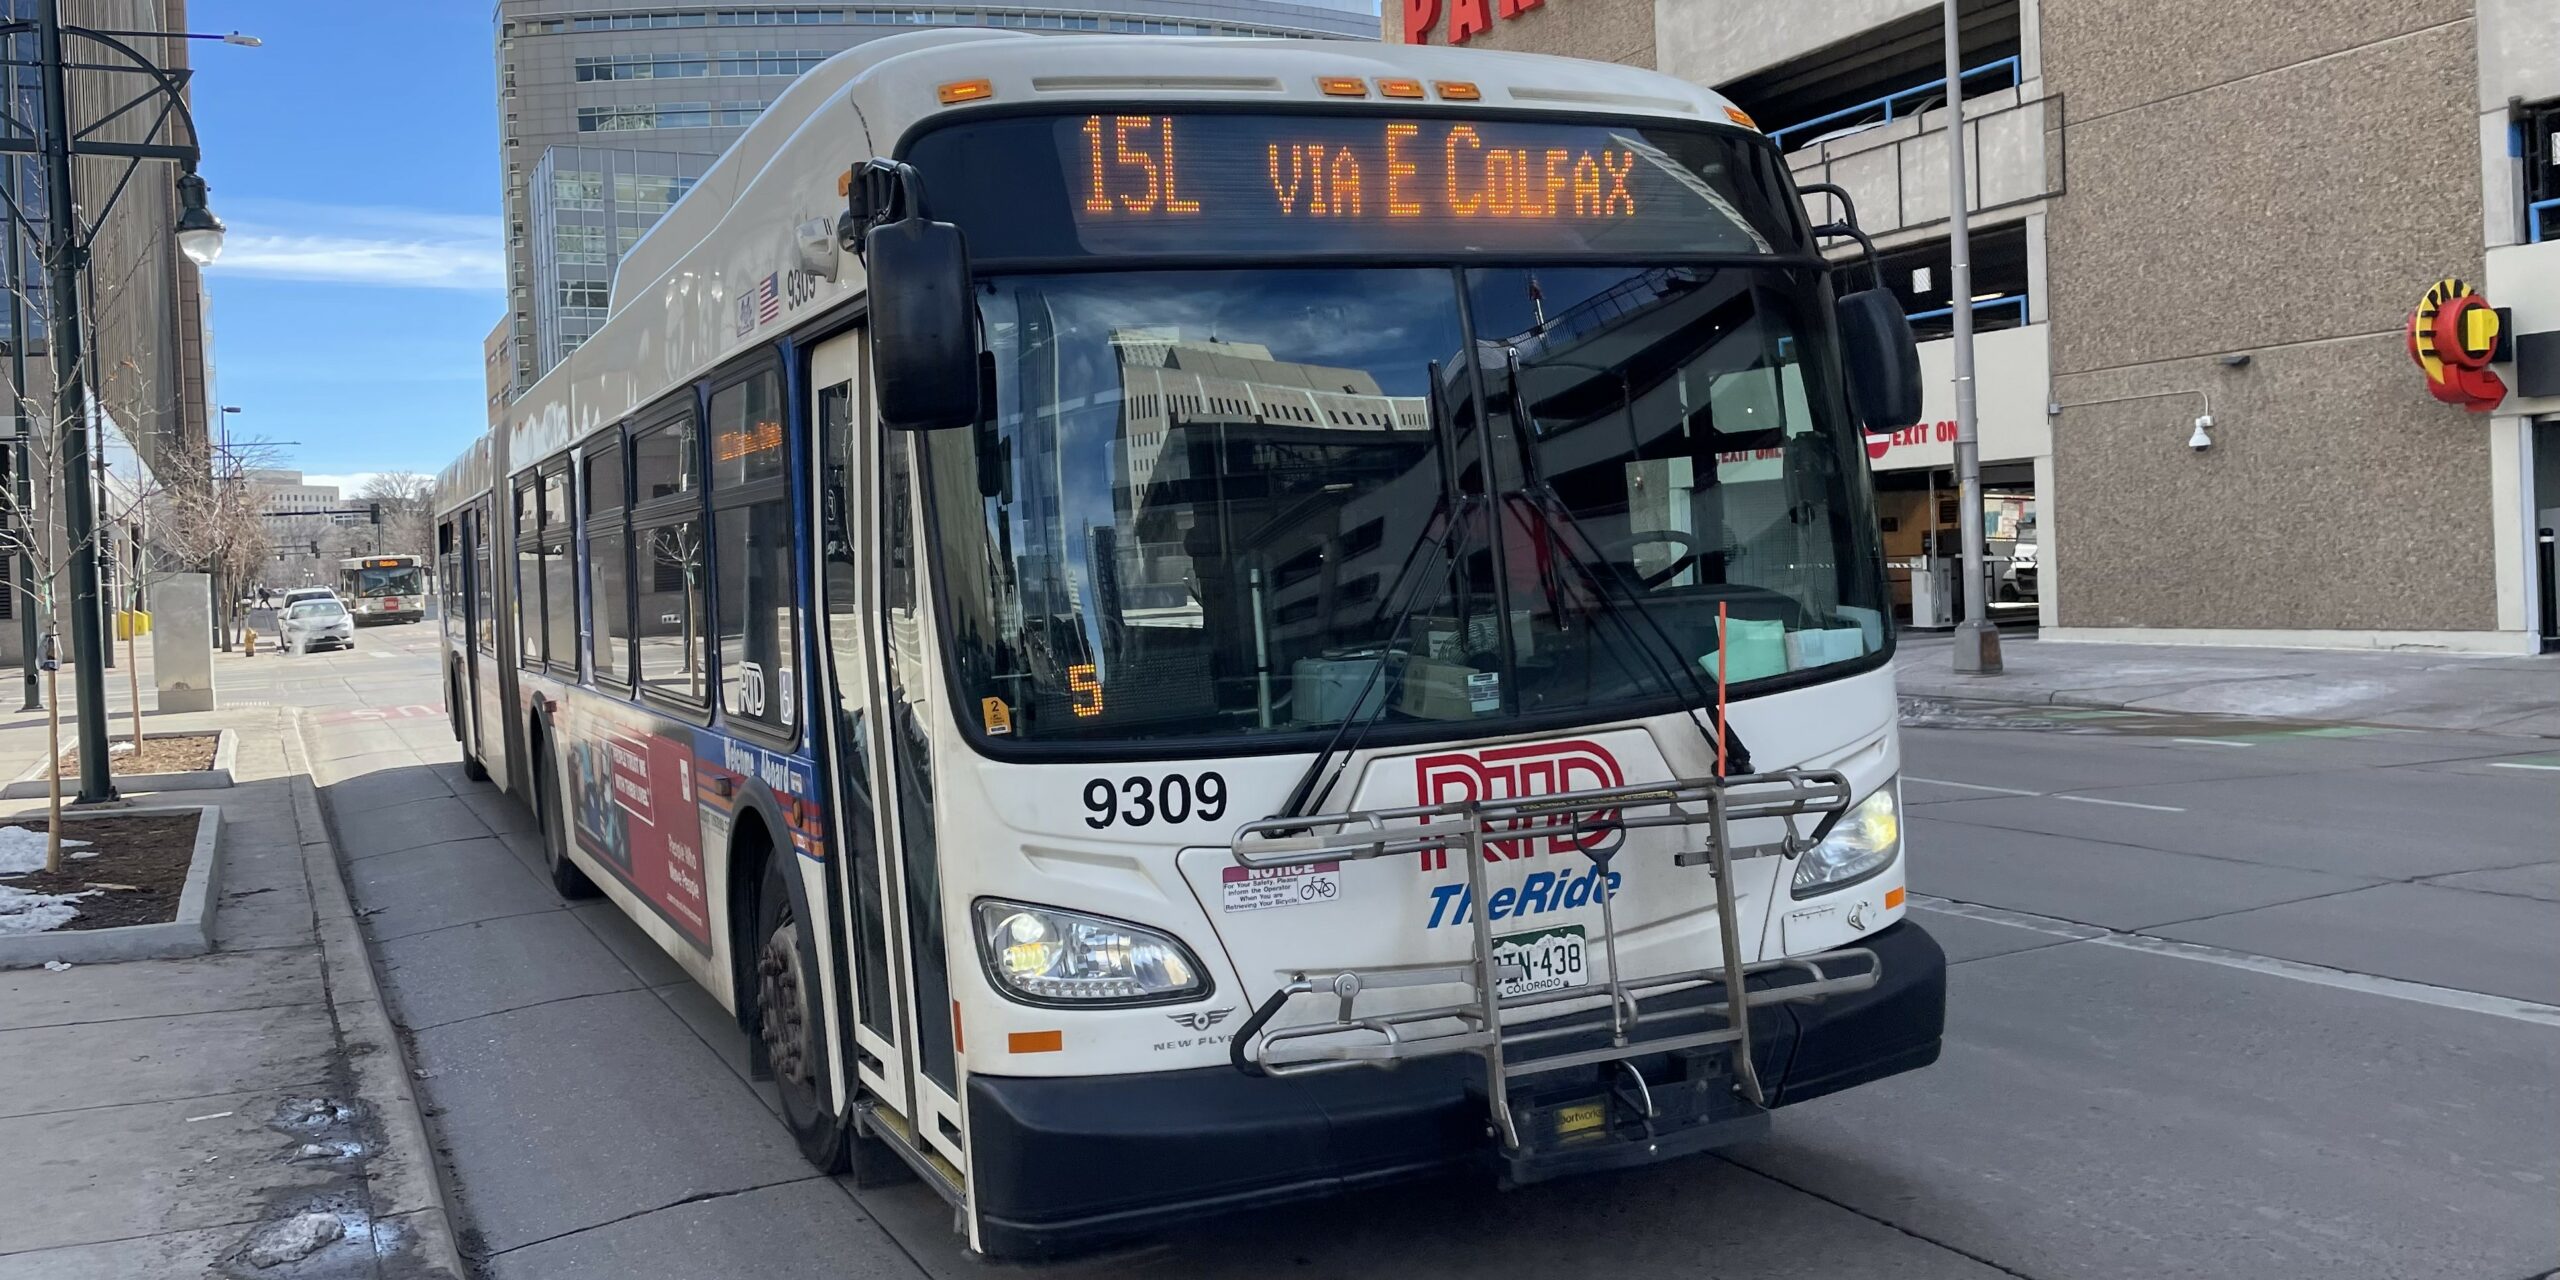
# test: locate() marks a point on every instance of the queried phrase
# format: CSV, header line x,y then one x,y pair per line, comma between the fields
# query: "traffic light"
x,y
315,548
377,513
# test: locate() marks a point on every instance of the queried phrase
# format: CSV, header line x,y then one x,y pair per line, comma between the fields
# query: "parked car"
x,y
300,594
316,624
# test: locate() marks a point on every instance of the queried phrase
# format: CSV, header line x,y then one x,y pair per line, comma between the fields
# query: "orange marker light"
x,y
1343,86
1892,899
1740,117
1036,1041
965,91
1399,88
1456,90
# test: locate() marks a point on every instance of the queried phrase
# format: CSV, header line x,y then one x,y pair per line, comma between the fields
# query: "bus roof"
x,y
726,268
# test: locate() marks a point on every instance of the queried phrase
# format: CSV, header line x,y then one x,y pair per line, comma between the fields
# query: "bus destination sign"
x,y
1355,183
1392,169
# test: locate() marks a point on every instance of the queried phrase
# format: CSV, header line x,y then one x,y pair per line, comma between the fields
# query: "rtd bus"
x,y
1099,591
384,588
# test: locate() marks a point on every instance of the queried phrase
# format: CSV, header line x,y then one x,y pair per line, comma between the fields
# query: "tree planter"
x,y
34,782
190,933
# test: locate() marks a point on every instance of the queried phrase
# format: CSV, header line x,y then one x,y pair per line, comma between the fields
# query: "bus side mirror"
x,y
1881,359
924,324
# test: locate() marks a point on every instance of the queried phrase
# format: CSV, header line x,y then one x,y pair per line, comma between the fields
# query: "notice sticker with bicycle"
x,y
1262,888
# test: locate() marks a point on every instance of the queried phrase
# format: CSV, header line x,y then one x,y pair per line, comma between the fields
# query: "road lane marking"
x,y
1972,786
2212,742
2125,804
2510,764
2507,1007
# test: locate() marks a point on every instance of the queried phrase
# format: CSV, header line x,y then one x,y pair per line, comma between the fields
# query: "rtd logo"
x,y
1506,773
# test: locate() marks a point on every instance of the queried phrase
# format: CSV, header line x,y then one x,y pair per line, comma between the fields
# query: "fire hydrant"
x,y
249,642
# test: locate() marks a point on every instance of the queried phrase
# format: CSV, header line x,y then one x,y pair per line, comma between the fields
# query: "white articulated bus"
x,y
1098,592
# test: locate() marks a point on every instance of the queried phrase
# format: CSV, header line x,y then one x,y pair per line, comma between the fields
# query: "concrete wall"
x,y
1712,41
2280,182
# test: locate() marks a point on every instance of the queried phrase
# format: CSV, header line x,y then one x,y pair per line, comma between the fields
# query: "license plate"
x,y
1550,960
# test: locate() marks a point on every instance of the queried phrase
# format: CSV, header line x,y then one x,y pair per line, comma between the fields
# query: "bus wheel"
x,y
566,878
788,1029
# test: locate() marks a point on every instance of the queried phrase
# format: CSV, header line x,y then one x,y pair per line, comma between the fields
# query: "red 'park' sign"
x,y
1467,18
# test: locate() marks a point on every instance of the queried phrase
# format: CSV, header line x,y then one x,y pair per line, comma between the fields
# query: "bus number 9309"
x,y
1142,801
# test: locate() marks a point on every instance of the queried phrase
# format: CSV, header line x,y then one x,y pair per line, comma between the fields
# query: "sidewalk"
x,y
163,1118
2480,694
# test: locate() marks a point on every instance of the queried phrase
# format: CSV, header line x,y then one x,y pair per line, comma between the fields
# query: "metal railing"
x,y
1899,104
2015,303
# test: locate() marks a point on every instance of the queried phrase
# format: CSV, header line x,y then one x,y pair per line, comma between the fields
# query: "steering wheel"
x,y
1691,549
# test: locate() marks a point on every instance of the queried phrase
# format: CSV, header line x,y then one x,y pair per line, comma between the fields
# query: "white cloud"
x,y
357,244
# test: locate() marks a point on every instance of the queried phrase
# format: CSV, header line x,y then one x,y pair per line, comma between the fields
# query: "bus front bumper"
x,y
1061,1165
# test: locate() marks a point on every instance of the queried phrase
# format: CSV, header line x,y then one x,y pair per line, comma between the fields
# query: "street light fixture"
x,y
199,232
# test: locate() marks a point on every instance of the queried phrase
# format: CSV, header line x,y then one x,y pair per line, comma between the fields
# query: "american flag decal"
x,y
769,299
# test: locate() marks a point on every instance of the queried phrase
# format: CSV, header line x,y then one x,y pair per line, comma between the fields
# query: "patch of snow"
x,y
295,1238
57,966
25,911
22,850
120,749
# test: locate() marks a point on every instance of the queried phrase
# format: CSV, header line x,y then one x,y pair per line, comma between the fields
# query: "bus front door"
x,y
903,1052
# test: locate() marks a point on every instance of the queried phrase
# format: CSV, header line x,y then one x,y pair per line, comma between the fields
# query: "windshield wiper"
x,y
1456,507
1551,507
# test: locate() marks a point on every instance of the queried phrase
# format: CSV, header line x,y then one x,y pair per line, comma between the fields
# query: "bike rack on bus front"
x,y
1352,1039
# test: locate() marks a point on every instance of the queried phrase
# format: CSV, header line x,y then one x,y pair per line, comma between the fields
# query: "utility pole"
x,y
1977,640
21,478
64,255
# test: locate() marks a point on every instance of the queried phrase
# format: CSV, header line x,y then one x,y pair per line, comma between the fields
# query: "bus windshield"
x,y
1251,502
407,580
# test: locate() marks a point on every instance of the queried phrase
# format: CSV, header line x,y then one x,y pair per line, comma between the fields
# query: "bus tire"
x,y
566,879
789,1034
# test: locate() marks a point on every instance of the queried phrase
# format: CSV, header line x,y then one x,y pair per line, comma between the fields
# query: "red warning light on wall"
x,y
2455,335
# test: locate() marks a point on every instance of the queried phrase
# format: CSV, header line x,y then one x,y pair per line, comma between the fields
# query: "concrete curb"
x,y
400,1178
33,783
190,934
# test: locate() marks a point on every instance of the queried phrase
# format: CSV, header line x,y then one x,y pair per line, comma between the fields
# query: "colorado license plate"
x,y
1550,960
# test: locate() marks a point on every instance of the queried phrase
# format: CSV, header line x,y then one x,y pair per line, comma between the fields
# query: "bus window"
x,y
752,552
559,574
484,586
670,592
608,555
528,575
667,559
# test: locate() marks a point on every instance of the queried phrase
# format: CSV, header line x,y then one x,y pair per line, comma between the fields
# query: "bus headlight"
x,y
1047,956
1861,844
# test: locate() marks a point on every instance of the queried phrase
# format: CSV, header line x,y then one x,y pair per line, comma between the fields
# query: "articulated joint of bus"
x,y
1518,1026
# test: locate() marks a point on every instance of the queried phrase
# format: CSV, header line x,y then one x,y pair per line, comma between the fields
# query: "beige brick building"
x,y
2183,208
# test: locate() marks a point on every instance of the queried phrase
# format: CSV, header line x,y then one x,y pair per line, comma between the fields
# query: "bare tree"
x,y
408,511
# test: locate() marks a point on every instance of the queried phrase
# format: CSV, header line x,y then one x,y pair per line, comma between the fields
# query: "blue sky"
x,y
355,159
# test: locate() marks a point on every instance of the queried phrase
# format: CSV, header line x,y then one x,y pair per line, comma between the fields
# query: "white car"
x,y
316,624
300,594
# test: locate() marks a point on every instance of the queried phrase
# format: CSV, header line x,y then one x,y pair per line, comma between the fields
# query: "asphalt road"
x,y
2229,998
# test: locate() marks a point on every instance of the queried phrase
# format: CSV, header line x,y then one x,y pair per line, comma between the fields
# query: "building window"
x,y
2538,145
585,293
577,188
778,17
636,21
643,66
578,246
647,193
771,63
628,119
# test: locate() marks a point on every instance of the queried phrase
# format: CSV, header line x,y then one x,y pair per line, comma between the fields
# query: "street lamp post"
x,y
1977,639
199,236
